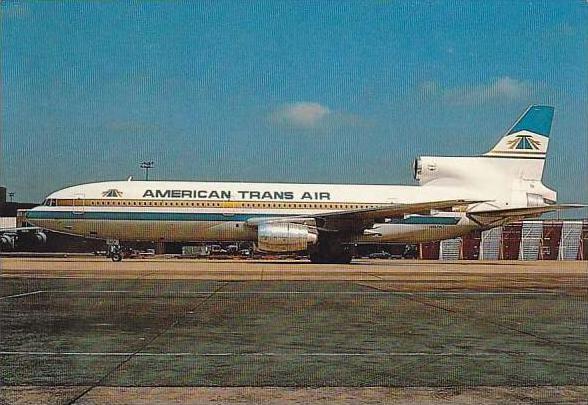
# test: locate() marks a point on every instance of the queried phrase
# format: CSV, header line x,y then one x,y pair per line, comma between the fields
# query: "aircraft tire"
x,y
342,256
316,258
345,258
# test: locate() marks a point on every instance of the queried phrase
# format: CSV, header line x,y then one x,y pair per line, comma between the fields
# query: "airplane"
x,y
454,196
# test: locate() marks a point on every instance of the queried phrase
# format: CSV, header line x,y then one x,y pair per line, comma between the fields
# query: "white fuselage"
x,y
199,211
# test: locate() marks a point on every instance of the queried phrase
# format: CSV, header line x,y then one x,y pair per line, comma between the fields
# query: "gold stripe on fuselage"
x,y
142,203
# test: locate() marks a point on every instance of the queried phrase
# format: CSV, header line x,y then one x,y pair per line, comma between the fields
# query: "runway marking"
x,y
281,293
264,354
22,295
473,293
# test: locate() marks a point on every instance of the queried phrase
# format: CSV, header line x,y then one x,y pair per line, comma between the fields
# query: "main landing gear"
x,y
114,250
331,252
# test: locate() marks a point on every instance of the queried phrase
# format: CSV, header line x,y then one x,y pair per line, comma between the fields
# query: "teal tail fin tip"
x,y
537,119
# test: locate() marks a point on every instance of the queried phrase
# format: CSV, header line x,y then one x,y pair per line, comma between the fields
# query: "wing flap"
x,y
395,210
361,218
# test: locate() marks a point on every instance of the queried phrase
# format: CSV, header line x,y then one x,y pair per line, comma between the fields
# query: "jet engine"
x,y
426,168
7,242
40,238
451,170
284,237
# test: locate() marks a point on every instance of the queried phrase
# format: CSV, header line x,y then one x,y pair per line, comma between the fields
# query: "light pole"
x,y
11,195
147,166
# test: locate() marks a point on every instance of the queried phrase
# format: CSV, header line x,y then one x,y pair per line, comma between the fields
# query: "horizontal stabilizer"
x,y
493,218
525,211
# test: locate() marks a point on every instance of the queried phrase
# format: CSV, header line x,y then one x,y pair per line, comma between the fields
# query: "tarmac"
x,y
86,330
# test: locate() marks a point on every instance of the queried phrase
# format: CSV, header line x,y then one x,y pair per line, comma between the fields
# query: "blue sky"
x,y
317,91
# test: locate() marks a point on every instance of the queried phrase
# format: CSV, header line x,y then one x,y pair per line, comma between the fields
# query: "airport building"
x,y
524,240
8,209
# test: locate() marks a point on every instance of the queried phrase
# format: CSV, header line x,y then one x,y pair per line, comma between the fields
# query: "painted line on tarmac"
x,y
449,293
264,354
360,293
89,291
22,295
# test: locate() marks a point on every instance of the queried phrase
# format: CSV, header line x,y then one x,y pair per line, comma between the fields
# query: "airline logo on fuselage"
x,y
113,192
242,195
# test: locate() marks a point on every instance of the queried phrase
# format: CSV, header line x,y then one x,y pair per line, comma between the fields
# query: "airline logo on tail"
x,y
528,137
525,142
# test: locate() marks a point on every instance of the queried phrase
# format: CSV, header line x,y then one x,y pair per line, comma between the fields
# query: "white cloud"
x,y
502,89
303,114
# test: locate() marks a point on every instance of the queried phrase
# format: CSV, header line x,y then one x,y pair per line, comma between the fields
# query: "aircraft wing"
x,y
359,219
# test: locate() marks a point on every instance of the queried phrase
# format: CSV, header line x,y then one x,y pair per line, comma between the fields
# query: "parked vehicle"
x,y
245,252
380,255
217,250
232,249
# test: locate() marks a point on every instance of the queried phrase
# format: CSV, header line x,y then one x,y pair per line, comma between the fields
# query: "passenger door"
x,y
78,204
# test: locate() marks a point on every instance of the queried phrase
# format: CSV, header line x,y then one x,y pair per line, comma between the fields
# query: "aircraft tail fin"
x,y
528,137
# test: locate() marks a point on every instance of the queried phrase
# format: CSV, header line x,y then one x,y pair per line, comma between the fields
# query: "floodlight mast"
x,y
147,165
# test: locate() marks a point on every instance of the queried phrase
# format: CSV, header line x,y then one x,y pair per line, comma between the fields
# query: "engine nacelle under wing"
x,y
284,237
40,237
7,242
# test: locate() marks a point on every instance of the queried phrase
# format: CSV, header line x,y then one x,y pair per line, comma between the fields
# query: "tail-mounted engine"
x,y
284,237
454,170
427,168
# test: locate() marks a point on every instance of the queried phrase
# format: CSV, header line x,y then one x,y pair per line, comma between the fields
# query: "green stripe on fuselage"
x,y
190,216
